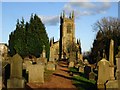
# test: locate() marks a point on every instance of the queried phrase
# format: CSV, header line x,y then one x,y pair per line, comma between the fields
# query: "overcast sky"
x,y
86,13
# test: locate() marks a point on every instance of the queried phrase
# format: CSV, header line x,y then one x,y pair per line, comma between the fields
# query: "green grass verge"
x,y
81,82
72,69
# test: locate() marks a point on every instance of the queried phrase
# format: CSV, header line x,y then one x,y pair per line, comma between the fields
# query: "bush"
x,y
29,38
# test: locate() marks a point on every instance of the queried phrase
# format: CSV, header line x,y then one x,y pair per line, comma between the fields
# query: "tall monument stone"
x,y
111,59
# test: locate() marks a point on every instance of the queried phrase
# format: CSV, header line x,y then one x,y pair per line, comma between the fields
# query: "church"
x,y
67,44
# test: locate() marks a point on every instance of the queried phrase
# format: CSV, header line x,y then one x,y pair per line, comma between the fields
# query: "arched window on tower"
x,y
69,27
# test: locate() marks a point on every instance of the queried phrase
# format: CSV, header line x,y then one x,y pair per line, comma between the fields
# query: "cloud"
x,y
50,20
80,9
87,5
87,8
68,8
102,8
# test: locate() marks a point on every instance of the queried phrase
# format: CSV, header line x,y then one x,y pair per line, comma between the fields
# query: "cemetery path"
x,y
59,79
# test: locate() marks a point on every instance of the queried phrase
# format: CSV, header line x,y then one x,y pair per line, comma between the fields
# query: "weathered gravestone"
x,y
36,73
118,68
51,58
42,60
92,75
51,66
43,52
77,66
87,70
115,84
81,69
71,64
103,72
86,62
112,85
27,63
80,56
16,80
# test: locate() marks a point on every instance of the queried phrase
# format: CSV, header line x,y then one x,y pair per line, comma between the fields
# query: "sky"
x,y
86,14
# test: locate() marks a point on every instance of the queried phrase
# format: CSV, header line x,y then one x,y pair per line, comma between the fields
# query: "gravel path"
x,y
59,79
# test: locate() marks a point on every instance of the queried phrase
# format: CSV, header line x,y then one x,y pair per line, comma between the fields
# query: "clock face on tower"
x,y
69,28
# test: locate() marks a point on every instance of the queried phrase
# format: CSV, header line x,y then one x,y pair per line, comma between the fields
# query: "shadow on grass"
x,y
85,86
81,82
75,71
84,83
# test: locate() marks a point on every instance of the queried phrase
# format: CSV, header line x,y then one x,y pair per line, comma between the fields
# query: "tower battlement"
x,y
63,16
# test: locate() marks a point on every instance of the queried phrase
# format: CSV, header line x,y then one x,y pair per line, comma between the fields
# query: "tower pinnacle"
x,y
73,14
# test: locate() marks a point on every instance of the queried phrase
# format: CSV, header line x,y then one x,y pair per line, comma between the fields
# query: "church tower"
x,y
67,33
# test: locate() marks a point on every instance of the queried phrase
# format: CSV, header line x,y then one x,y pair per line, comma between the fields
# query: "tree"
x,y
28,38
107,29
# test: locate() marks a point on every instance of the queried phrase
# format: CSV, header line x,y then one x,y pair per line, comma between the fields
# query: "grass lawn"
x,y
81,82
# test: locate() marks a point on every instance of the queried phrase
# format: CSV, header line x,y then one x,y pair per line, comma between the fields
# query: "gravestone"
x,y
81,69
51,58
111,52
43,52
43,56
87,70
16,80
36,74
92,76
111,60
42,60
77,66
27,63
16,67
86,62
71,64
80,56
118,67
27,58
112,85
15,83
103,72
51,66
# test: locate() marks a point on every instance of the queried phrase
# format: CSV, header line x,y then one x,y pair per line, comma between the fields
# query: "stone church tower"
x,y
66,45
67,33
